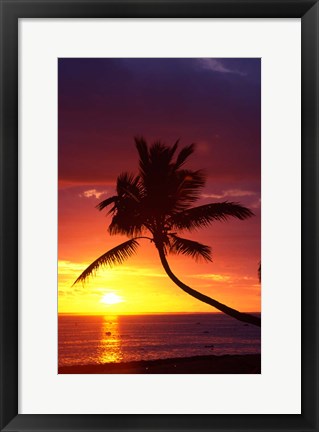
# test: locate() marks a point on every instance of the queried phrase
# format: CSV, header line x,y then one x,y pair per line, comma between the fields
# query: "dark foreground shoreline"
x,y
225,364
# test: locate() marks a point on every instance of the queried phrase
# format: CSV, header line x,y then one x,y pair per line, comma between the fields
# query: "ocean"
x,y
104,339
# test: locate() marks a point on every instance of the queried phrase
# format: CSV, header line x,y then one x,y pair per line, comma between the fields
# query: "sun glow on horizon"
x,y
143,288
111,299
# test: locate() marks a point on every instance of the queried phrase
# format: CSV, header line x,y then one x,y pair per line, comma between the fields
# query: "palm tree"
x,y
157,203
259,271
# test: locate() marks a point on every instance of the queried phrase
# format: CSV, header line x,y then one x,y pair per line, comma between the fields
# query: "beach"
x,y
210,364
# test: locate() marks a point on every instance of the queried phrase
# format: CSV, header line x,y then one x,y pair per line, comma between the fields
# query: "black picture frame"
x,y
11,12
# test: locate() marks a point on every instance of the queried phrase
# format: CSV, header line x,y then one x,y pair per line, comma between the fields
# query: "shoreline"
x,y
209,364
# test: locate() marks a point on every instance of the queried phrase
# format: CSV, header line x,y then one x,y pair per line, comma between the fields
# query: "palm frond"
x,y
189,247
142,149
126,223
114,256
183,155
161,154
128,185
202,216
172,150
106,203
189,185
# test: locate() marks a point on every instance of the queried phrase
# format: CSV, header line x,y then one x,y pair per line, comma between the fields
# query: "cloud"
x,y
230,193
69,267
214,277
215,65
92,193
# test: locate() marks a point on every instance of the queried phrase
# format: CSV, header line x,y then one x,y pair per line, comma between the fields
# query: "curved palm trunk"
x,y
251,319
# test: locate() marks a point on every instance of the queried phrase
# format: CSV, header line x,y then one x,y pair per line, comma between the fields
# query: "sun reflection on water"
x,y
110,349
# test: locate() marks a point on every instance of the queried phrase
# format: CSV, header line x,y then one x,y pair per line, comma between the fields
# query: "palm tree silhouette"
x,y
155,204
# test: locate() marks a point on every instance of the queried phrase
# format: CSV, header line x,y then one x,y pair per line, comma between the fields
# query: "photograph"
x,y
159,215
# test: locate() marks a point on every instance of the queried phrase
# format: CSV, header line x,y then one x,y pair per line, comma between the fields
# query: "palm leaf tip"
x,y
240,212
106,202
202,216
191,248
143,152
114,256
259,271
184,154
226,209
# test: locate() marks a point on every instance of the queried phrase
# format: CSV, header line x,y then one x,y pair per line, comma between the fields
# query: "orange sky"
x,y
93,150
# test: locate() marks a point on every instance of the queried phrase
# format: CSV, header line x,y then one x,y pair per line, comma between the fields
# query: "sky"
x,y
102,104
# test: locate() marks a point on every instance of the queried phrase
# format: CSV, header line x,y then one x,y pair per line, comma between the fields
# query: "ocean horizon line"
x,y
146,313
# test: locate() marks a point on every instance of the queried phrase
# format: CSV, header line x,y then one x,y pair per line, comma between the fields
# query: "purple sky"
x,y
104,103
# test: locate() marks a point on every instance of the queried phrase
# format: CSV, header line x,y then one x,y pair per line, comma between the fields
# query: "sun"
x,y
111,298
